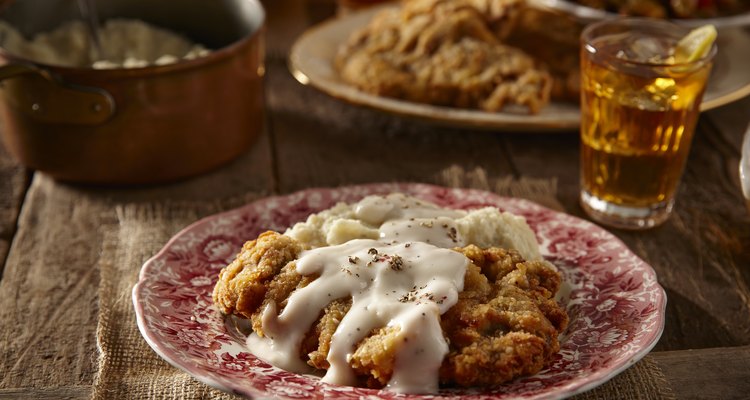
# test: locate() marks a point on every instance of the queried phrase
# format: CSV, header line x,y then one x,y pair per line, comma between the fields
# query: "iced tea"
x,y
639,111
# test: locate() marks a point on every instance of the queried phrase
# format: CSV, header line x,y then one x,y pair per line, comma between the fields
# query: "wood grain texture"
x,y
362,145
51,393
707,374
13,184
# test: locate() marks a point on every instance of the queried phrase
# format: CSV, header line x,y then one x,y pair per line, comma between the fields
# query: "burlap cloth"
x,y
129,369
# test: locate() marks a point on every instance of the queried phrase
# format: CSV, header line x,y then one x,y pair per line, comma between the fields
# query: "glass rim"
x,y
653,22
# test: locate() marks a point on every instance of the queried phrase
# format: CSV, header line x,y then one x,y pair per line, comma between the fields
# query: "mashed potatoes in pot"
x,y
125,43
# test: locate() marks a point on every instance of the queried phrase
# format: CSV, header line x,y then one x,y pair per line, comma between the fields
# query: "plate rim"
x,y
571,388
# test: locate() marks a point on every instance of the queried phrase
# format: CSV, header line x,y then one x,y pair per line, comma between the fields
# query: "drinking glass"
x,y
639,109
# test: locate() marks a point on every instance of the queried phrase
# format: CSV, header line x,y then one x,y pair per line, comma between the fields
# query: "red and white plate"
x,y
614,301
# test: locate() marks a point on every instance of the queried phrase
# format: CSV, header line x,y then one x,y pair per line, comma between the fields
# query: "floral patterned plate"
x,y
615,303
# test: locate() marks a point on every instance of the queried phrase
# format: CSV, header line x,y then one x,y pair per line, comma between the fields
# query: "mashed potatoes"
x,y
125,44
485,227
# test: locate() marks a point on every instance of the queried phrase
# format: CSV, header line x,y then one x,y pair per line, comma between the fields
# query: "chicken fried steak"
x,y
504,324
446,52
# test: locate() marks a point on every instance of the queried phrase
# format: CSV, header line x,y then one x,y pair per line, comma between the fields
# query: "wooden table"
x,y
48,298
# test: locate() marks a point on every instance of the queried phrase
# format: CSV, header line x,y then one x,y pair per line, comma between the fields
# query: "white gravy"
x,y
405,279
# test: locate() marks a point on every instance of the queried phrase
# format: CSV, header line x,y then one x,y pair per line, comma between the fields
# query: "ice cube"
x,y
645,49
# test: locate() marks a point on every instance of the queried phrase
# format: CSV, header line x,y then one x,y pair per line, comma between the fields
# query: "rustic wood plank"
x,y
49,393
727,127
285,21
716,373
540,155
731,121
13,184
363,145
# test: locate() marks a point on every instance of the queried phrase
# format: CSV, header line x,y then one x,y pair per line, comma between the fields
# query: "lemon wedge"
x,y
695,45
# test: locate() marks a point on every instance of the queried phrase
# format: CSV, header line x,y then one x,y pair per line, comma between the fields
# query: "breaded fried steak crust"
x,y
506,322
445,52
244,284
504,325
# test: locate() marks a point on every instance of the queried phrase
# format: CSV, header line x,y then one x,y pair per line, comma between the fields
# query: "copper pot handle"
x,y
54,101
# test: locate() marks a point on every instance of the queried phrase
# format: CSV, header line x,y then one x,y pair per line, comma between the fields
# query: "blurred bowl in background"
x,y
137,125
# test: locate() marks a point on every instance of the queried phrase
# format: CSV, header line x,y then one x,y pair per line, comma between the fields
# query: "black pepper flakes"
x,y
397,263
453,235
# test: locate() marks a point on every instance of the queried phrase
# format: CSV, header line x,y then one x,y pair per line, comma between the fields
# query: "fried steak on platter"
x,y
446,52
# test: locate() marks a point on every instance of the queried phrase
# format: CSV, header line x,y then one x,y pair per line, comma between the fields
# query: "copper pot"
x,y
142,125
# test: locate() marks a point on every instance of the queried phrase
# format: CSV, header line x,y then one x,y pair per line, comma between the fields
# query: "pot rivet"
x,y
36,107
97,107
